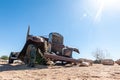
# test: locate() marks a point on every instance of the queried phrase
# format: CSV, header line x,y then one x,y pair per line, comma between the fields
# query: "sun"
x,y
105,5
110,3
96,9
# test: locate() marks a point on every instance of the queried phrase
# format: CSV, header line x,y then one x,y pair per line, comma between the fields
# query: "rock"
x,y
118,61
107,62
86,60
86,64
51,63
17,61
68,65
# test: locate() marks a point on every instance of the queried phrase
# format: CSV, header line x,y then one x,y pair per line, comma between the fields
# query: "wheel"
x,y
30,56
11,61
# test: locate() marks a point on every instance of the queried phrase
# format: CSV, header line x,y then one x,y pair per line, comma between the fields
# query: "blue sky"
x,y
85,24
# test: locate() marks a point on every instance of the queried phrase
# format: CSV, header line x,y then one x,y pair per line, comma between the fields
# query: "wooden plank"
x,y
60,58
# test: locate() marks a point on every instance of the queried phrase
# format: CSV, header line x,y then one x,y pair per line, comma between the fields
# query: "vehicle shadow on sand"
x,y
10,67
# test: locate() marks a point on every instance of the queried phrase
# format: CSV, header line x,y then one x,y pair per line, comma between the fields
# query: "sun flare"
x,y
110,4
106,5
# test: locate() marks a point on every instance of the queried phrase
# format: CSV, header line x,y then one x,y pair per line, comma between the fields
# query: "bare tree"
x,y
99,54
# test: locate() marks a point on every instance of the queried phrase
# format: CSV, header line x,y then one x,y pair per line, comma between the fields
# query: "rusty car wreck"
x,y
51,48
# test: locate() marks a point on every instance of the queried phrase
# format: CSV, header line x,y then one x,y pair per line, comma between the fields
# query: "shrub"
x,y
4,57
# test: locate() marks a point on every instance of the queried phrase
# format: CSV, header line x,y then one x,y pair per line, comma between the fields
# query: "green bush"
x,y
4,57
40,60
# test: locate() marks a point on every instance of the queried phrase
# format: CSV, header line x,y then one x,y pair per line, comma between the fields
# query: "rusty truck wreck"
x,y
51,48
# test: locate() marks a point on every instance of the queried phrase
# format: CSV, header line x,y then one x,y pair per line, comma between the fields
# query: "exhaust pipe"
x,y
28,31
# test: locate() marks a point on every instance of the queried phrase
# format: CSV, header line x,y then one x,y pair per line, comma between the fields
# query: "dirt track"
x,y
95,72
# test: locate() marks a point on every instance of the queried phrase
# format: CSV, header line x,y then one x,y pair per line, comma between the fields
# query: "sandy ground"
x,y
40,72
